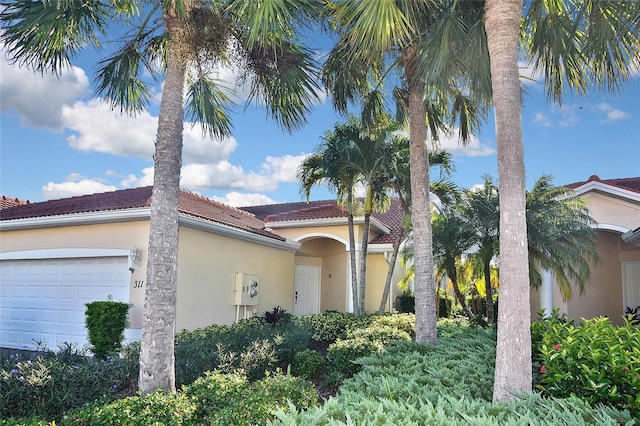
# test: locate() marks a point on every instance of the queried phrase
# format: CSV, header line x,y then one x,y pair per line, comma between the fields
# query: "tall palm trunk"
x,y
392,264
365,247
352,259
513,352
157,363
424,281
488,289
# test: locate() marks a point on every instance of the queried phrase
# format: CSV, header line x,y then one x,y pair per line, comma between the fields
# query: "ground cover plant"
x,y
332,368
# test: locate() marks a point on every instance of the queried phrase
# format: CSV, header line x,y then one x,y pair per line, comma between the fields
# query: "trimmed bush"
x,y
342,355
105,322
596,361
331,325
307,363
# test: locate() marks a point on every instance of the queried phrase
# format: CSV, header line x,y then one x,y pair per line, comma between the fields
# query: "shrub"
x,y
105,322
307,363
379,333
158,408
229,399
407,302
250,344
215,390
404,322
47,384
596,361
342,354
329,326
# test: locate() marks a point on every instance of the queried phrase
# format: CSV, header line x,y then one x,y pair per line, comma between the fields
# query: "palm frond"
x,y
208,104
45,35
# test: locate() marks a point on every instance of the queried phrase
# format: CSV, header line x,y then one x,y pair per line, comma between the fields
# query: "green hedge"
x,y
596,361
106,322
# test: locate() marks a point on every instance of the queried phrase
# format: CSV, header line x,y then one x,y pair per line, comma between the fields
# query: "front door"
x,y
306,290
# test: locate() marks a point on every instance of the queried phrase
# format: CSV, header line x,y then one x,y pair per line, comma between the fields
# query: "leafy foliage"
x,y
307,363
47,384
411,383
106,321
596,361
276,316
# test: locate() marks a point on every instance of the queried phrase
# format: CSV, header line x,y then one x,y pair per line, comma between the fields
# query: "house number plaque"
x,y
138,284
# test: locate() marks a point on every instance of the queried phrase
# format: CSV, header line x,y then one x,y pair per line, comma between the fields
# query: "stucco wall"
x,y
607,210
207,267
603,294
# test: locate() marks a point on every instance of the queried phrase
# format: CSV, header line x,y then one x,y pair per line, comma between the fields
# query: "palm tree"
x,y
575,45
348,157
452,237
480,209
184,40
328,166
561,236
442,188
376,37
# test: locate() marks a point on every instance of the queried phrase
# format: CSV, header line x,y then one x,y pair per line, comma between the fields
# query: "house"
x,y
615,279
58,255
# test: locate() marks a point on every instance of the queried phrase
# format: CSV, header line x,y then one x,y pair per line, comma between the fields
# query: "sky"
x,y
58,141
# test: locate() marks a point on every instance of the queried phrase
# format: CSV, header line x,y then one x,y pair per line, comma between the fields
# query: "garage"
x,y
43,293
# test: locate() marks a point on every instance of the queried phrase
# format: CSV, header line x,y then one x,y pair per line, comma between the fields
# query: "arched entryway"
x,y
321,275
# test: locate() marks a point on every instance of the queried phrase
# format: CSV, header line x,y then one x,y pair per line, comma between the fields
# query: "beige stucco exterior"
x,y
604,292
209,263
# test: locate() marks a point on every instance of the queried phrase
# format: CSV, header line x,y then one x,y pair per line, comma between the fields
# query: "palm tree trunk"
x,y
488,291
363,262
453,276
157,361
392,264
424,280
352,259
513,351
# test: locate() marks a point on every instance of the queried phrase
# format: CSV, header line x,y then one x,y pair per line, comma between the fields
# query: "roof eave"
x,y
76,219
632,237
241,234
331,221
609,190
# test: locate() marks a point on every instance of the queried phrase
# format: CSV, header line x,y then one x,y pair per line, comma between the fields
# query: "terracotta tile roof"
x,y
190,204
630,184
327,209
6,202
204,208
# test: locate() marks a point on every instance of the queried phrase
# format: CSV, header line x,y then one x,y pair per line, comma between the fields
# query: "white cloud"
x,y
73,187
452,143
38,99
556,116
236,199
284,169
612,114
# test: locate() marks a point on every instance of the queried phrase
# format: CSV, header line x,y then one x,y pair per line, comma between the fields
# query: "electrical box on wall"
x,y
247,289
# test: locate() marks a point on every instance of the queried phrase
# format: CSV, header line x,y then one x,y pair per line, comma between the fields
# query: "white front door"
x,y
306,290
631,284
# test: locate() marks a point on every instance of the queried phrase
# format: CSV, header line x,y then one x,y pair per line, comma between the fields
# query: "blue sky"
x,y
56,141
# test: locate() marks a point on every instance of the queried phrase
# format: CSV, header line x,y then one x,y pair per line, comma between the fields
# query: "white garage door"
x,y
44,299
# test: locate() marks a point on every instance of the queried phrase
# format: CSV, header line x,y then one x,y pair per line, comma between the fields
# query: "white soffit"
x,y
607,189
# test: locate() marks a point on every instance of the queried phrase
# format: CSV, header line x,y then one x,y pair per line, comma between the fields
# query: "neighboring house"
x,y
615,279
58,255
